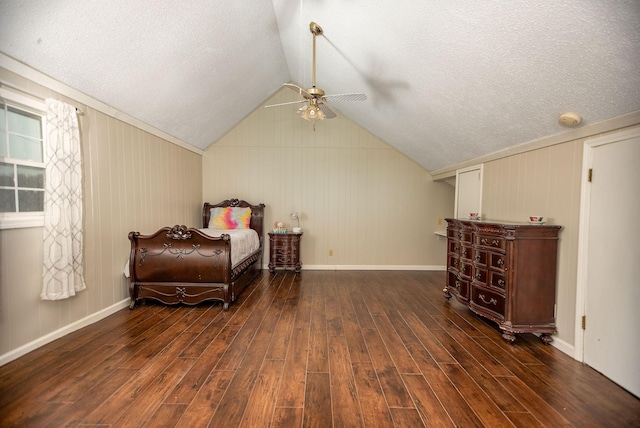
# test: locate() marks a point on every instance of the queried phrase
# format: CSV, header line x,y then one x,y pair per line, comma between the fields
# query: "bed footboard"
x,y
183,265
180,265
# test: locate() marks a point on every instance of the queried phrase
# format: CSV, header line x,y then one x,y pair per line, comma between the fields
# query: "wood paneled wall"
x,y
547,182
543,182
133,180
356,195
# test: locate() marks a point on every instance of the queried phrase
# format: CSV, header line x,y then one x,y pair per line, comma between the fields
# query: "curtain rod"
x,y
28,94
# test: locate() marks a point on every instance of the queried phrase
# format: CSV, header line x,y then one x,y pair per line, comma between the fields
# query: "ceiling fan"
x,y
314,97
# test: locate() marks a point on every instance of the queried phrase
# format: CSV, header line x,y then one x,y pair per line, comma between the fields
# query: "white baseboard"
x,y
371,267
69,328
563,346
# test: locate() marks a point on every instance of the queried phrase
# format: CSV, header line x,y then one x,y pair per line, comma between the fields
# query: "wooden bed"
x,y
184,265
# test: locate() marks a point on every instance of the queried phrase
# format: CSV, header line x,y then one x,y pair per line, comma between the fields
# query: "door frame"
x,y
583,238
480,169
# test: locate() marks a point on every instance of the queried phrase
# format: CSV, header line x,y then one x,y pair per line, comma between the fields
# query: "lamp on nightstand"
x,y
294,216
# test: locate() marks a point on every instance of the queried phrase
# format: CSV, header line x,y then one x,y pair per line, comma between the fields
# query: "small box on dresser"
x,y
505,272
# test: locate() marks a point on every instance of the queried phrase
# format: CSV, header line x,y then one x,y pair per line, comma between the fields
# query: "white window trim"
x,y
21,220
24,219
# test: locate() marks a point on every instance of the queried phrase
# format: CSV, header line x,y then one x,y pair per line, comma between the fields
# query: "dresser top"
x,y
500,223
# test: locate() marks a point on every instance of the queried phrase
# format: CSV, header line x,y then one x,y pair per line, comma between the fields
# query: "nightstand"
x,y
284,251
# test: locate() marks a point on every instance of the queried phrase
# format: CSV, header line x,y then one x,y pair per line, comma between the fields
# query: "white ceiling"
x,y
447,81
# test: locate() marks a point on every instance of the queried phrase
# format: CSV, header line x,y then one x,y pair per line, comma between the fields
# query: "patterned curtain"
x,y
63,263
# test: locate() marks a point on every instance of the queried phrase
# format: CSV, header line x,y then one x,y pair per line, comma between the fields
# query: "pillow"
x,y
230,218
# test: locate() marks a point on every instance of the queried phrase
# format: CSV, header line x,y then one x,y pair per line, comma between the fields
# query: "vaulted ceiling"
x,y
447,81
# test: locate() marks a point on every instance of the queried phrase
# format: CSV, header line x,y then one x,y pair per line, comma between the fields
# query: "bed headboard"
x,y
257,213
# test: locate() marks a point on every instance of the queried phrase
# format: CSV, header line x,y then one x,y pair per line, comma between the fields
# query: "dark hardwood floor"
x,y
319,349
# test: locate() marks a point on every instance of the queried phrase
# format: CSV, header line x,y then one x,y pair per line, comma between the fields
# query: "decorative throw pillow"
x,y
230,218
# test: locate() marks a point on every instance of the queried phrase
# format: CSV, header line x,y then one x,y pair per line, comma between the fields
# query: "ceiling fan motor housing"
x,y
316,92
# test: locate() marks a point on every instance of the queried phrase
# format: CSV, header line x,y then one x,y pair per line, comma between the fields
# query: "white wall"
x,y
133,180
356,195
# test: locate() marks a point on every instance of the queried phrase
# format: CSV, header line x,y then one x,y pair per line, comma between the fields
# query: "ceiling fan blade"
x,y
284,104
298,89
345,97
328,113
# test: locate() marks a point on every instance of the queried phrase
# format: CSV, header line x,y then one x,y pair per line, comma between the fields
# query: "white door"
x,y
468,191
612,333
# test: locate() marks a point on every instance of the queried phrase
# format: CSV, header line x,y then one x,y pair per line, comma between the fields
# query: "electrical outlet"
x,y
330,252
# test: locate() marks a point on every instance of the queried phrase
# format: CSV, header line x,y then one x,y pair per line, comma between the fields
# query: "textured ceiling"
x,y
447,81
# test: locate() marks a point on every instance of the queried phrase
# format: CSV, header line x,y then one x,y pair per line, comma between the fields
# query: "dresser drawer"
x,y
453,262
489,241
490,278
458,285
480,257
480,275
466,252
498,261
454,247
497,280
466,268
460,235
465,237
452,233
485,300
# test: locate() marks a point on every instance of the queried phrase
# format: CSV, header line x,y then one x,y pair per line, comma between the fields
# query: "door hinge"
x,y
584,322
590,177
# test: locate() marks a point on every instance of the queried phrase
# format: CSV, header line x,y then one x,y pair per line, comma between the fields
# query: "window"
x,y
22,168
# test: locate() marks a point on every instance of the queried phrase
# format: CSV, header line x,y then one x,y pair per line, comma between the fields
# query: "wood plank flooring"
x,y
318,349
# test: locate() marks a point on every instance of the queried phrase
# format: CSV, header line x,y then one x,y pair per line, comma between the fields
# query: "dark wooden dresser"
x,y
505,272
284,251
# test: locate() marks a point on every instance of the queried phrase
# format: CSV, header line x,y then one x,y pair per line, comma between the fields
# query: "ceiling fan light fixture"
x,y
311,112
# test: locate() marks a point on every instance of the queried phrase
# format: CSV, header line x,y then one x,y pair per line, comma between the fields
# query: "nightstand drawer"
x,y
289,252
283,259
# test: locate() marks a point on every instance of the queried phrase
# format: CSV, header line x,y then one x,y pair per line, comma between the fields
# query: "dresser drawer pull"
x,y
501,282
458,285
478,275
491,301
464,252
456,248
459,235
500,262
494,243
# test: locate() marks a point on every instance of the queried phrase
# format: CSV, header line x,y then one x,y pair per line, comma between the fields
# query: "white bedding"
x,y
243,242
